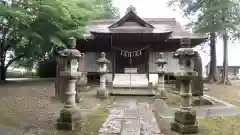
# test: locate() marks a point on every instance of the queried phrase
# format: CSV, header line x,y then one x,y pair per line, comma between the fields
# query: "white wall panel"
x,y
90,64
172,64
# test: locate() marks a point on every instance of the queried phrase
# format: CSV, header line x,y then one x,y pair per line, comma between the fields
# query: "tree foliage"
x,y
107,10
30,28
213,17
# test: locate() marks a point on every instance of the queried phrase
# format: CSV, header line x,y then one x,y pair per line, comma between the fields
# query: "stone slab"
x,y
130,118
131,126
148,120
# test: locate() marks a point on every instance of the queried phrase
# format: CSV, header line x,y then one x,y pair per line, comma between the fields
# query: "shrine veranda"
x,y
132,43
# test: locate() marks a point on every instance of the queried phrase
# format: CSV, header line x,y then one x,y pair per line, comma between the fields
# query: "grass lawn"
x,y
91,125
216,125
220,126
18,74
94,121
223,125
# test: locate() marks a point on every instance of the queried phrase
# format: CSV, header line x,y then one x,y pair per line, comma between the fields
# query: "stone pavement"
x,y
130,117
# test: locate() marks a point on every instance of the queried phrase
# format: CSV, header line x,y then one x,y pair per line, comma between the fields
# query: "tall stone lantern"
x,y
102,91
185,117
70,115
161,70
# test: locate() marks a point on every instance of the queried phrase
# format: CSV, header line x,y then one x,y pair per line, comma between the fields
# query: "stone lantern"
x,y
82,80
161,70
58,80
185,117
70,115
102,91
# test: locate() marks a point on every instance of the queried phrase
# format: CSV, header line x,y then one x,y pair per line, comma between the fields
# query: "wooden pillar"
x,y
168,78
147,61
113,63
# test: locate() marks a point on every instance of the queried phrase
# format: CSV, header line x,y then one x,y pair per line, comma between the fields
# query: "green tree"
x,y
107,10
31,28
214,18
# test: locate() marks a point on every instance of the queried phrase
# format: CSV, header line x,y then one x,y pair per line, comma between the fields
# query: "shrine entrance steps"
x,y
131,85
130,80
132,92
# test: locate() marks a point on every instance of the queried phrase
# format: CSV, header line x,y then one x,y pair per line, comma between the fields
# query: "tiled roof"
x,y
160,25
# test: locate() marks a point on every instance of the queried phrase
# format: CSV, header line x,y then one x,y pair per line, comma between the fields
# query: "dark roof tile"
x,y
160,24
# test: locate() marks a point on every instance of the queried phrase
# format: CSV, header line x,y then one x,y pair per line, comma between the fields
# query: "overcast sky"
x,y
149,9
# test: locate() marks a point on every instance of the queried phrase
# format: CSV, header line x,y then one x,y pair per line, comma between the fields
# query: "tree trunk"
x,y
224,78
3,70
2,62
197,82
212,76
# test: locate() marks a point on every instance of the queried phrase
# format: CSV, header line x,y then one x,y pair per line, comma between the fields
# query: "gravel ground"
x,y
24,106
28,108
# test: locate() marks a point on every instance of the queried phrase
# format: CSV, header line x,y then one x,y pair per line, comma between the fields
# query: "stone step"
x,y
128,85
133,80
132,92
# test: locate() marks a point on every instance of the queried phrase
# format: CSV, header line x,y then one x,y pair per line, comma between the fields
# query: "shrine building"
x,y
132,44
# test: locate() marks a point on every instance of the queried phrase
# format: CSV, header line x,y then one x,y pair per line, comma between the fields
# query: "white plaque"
x,y
74,65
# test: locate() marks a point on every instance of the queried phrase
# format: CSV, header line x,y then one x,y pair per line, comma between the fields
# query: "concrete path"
x,y
130,118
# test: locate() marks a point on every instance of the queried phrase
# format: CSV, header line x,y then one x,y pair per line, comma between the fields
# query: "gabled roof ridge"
x,y
131,13
148,20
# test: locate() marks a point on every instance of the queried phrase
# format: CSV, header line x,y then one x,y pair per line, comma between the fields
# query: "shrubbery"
x,y
47,68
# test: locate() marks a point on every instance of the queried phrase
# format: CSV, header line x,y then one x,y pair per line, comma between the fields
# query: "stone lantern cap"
x,y
161,60
185,53
71,52
102,59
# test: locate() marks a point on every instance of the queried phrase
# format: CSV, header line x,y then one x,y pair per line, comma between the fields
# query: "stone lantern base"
x,y
70,119
102,93
159,93
185,122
